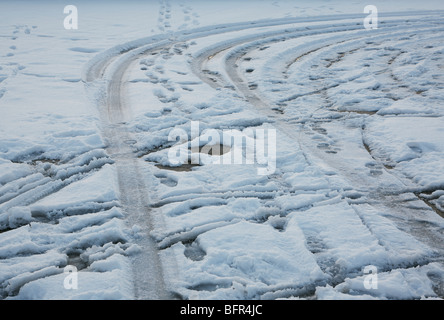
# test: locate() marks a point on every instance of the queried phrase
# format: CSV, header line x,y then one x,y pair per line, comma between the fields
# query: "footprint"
x,y
375,172
414,147
168,181
147,62
252,86
164,99
193,251
375,168
323,145
165,111
371,165
278,110
177,51
320,130
168,87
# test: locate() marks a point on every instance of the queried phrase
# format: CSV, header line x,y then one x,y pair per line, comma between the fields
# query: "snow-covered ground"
x,y
86,177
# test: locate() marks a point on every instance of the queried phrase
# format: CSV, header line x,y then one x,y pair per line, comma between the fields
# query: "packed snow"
x,y
307,150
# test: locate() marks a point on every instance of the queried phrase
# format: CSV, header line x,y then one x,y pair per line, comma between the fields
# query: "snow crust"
x,y
359,172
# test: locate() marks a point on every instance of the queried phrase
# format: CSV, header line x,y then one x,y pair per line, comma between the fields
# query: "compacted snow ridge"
x,y
88,192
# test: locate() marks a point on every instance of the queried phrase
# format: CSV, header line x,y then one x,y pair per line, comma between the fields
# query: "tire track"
x,y
107,74
236,49
363,183
104,78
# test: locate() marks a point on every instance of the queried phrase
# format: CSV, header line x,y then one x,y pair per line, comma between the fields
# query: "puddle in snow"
x,y
186,167
215,150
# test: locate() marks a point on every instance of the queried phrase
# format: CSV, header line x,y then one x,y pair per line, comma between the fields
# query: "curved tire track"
x,y
104,79
106,74
393,200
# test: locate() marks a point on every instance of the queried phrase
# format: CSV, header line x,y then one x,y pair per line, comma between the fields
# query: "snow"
x,y
413,145
357,179
405,284
92,286
257,257
83,191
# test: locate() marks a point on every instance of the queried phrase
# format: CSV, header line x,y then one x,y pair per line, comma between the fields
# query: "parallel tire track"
x,y
107,72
